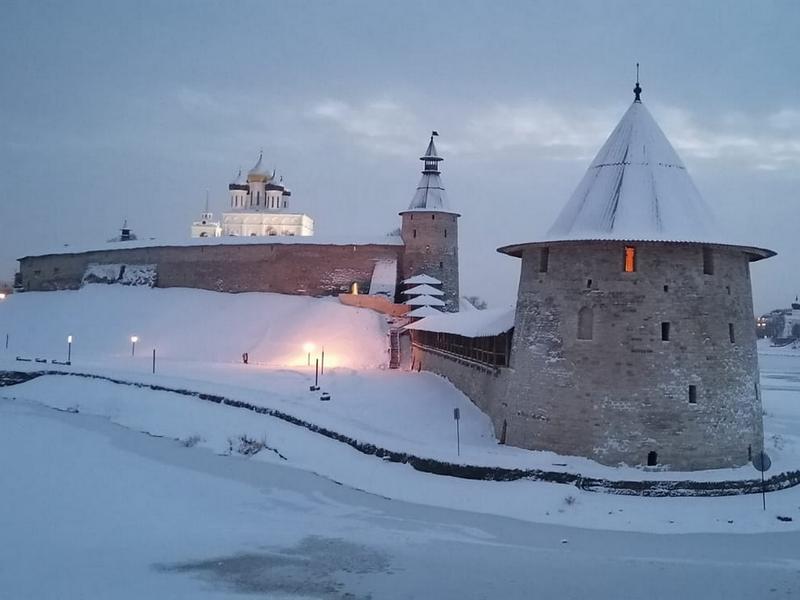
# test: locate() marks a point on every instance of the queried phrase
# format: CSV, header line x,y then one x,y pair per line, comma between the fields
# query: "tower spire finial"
x,y
638,89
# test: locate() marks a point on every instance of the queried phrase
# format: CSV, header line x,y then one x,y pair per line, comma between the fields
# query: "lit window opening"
x,y
630,259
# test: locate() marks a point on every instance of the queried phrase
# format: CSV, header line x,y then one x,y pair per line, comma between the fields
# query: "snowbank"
x,y
192,325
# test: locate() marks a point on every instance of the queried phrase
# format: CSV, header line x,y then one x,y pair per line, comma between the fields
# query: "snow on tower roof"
x,y
430,194
637,189
424,301
422,278
423,311
477,323
424,289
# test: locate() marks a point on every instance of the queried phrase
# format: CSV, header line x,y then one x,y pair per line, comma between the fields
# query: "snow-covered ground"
x,y
396,410
89,509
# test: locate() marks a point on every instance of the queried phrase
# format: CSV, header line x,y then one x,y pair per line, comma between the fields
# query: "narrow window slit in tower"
x,y
692,394
666,288
728,289
630,259
665,331
445,233
588,283
731,334
544,259
415,233
708,261
652,459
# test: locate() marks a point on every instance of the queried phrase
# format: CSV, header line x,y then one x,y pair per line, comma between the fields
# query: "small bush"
x,y
248,446
191,441
569,500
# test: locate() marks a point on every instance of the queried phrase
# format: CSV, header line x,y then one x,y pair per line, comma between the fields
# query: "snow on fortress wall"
x,y
191,325
286,268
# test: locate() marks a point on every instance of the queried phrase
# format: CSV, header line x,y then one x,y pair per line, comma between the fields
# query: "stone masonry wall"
x,y
307,269
431,247
484,385
625,392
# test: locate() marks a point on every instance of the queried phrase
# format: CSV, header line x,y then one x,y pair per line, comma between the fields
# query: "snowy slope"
x,y
192,325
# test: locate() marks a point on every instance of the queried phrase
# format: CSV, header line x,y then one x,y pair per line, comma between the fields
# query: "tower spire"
x,y
431,158
638,89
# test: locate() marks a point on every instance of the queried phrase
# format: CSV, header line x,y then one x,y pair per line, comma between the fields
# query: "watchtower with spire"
x,y
633,338
430,231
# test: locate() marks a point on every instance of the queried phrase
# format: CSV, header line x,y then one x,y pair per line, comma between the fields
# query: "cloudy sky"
x,y
113,110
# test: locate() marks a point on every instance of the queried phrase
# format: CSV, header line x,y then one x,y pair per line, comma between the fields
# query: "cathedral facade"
x,y
259,206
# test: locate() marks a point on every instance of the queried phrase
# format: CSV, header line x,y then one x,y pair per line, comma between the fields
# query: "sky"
x,y
135,110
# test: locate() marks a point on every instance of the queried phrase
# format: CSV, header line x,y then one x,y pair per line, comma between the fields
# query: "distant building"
x,y
791,327
260,206
206,226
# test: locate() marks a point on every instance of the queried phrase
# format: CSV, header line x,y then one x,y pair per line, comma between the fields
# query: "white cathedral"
x,y
259,207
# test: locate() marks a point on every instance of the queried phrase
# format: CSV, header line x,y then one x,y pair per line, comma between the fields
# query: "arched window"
x,y
203,234
585,323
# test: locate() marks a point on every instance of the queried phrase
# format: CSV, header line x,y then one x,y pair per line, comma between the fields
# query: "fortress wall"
x,y
306,269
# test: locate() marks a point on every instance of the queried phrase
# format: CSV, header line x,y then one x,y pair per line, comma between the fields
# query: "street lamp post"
x,y
69,349
134,339
308,347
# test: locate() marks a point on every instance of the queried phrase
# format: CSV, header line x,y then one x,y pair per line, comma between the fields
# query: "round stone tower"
x,y
430,231
634,336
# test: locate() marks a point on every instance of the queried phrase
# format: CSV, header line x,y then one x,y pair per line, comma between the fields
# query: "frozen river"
x,y
89,509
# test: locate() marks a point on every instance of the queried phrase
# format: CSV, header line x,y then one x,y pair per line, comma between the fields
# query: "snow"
x,y
424,289
423,311
637,188
384,279
192,325
397,410
230,240
114,513
424,301
474,323
120,273
422,279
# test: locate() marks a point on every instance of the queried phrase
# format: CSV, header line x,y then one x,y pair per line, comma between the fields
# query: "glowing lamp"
x,y
308,347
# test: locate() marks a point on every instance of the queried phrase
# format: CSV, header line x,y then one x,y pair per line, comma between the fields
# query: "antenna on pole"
x,y
206,200
637,90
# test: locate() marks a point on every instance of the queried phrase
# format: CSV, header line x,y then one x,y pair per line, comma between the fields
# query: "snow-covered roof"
x,y
384,278
422,278
423,311
430,194
425,289
636,188
475,323
424,301
229,240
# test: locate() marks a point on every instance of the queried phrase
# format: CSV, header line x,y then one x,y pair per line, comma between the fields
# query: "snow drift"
x,y
195,325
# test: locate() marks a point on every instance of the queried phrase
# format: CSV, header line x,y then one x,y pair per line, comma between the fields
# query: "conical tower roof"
x,y
430,194
637,189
